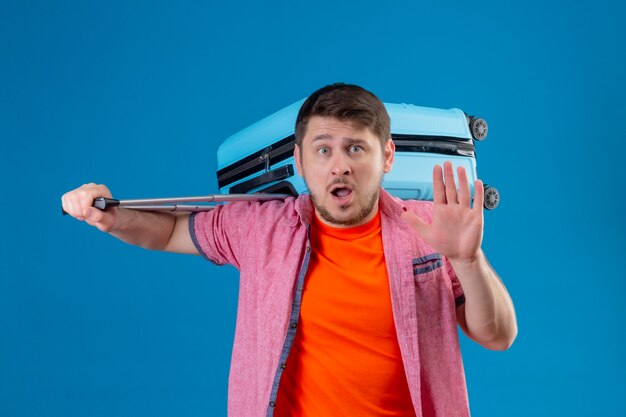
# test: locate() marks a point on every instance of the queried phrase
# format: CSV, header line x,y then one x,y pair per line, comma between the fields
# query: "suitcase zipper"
x,y
434,144
283,149
257,162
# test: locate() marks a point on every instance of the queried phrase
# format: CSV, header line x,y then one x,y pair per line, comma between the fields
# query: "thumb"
x,y
100,219
415,222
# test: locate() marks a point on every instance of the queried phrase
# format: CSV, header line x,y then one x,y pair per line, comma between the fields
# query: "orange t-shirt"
x,y
345,359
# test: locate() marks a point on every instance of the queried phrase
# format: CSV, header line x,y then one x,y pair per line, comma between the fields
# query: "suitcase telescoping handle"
x,y
277,174
180,203
156,204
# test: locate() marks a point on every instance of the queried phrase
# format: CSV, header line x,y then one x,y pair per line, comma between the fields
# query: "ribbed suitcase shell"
x,y
423,136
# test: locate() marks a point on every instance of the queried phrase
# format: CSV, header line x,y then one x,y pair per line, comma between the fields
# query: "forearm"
x,y
149,230
489,316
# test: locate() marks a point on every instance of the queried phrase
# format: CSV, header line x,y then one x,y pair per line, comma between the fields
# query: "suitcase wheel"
x,y
492,197
479,128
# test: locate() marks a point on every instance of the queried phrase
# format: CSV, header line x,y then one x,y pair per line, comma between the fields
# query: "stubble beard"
x,y
364,211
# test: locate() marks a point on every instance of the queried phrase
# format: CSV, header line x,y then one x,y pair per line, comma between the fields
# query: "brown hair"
x,y
345,102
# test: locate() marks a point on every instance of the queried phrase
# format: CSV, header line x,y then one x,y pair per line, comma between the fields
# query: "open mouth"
x,y
341,192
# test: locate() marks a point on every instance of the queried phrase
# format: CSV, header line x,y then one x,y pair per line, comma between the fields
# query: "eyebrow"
x,y
349,140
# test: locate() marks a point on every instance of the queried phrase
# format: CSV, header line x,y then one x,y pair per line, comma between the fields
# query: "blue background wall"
x,y
138,97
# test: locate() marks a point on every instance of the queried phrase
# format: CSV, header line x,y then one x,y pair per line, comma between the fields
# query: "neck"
x,y
360,222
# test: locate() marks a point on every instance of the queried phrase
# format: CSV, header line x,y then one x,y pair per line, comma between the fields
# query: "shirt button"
x,y
272,403
294,324
300,287
308,249
283,365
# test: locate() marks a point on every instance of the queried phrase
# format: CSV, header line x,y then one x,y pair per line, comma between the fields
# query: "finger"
x,y
87,194
448,176
77,208
464,190
68,207
95,215
479,196
64,204
439,192
85,200
99,219
77,203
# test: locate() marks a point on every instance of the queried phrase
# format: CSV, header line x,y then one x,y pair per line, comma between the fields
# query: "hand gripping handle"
x,y
101,203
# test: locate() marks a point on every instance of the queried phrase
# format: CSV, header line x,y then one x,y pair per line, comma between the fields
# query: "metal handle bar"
x,y
173,204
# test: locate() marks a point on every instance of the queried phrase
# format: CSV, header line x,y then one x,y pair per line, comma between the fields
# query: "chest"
x,y
346,290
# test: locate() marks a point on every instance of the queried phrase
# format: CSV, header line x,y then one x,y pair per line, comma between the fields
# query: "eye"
x,y
323,150
355,149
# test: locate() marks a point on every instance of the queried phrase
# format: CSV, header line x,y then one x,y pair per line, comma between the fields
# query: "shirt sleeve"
x,y
219,234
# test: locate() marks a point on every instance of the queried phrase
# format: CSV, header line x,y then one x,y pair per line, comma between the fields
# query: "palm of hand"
x,y
456,228
454,232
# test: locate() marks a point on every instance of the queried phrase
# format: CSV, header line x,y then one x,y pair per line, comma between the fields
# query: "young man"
x,y
349,298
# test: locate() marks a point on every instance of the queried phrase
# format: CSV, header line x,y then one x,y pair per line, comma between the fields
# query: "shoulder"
x,y
269,207
260,212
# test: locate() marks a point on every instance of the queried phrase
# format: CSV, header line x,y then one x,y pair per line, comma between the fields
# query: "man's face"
x,y
343,165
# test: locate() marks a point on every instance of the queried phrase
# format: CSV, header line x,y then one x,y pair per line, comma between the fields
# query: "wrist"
x,y
469,261
118,220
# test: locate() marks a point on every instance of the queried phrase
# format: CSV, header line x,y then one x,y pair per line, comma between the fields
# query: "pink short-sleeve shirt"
x,y
268,243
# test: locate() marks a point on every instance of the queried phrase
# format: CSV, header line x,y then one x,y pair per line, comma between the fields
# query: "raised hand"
x,y
456,228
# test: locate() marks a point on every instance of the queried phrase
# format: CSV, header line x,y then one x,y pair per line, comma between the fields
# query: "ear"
x,y
297,156
389,150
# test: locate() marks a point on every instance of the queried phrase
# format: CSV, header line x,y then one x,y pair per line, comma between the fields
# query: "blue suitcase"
x,y
259,158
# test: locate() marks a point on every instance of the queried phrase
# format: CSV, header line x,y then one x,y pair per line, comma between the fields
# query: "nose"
x,y
340,165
